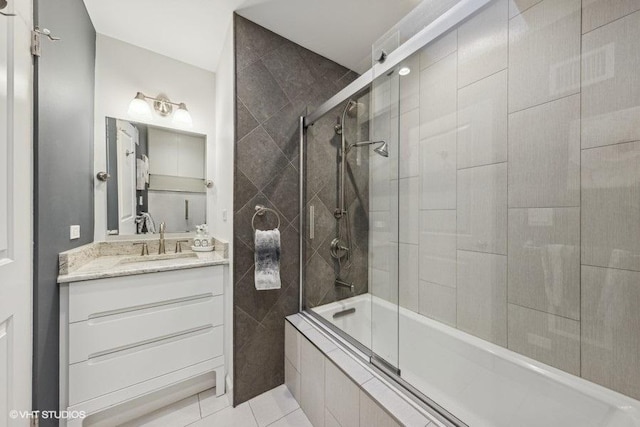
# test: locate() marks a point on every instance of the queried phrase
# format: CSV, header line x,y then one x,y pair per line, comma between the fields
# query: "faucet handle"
x,y
145,248
179,245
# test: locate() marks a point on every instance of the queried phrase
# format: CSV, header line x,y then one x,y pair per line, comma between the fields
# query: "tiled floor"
x,y
275,408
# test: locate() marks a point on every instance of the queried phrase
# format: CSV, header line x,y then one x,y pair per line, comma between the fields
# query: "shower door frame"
x,y
447,21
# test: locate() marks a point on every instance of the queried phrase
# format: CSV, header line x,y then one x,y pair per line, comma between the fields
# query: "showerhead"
x,y
383,150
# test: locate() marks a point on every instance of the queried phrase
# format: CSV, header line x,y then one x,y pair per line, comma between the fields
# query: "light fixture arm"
x,y
160,98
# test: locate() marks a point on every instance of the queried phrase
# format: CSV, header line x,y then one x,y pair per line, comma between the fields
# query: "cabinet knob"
x,y
102,176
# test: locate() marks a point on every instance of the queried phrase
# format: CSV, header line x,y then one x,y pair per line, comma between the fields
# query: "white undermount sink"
x,y
159,257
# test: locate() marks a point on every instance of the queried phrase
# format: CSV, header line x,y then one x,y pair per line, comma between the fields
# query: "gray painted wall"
x,y
64,81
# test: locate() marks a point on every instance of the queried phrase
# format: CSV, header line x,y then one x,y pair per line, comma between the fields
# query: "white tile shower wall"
x,y
610,324
544,161
596,13
438,98
482,122
482,209
438,172
610,63
544,260
438,302
544,53
551,339
529,190
482,295
408,276
611,206
482,44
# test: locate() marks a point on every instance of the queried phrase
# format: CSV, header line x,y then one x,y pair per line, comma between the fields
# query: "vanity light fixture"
x,y
140,108
182,117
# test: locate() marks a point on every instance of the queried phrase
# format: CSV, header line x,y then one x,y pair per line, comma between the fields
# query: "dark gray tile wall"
x,y
276,81
322,192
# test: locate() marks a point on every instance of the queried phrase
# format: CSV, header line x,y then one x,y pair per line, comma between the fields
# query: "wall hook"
x,y
3,4
47,33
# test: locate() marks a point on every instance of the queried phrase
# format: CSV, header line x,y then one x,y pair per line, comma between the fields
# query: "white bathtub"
x,y
479,382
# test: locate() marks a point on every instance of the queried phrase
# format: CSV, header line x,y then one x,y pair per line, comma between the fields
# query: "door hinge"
x,y
35,421
36,37
36,50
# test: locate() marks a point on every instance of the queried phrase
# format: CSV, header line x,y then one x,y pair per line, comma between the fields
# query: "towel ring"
x,y
260,210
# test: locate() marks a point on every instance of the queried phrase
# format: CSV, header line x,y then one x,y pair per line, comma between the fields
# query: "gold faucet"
x,y
161,249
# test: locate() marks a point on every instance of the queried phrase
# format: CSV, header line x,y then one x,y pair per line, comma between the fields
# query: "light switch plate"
x,y
74,232
224,215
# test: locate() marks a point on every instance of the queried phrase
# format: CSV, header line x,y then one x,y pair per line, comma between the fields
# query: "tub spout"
x,y
342,284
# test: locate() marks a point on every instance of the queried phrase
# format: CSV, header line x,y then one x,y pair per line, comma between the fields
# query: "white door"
x,y
127,139
16,212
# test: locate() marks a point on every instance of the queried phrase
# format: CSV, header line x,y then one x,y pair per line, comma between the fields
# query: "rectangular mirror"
x,y
156,175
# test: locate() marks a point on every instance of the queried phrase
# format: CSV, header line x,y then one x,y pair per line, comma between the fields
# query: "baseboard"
x,y
146,404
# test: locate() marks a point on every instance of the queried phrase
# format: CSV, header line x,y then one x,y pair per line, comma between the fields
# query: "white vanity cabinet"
x,y
126,337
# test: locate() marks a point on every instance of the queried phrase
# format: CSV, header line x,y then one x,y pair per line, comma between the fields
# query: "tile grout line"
x,y
456,171
635,141
508,69
544,103
544,312
251,410
481,166
487,76
603,25
520,12
479,252
580,199
610,268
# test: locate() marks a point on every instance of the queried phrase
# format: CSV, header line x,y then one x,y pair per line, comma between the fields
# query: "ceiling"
x,y
193,31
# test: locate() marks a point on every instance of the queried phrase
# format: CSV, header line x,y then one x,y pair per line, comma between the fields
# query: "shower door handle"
x,y
186,209
312,222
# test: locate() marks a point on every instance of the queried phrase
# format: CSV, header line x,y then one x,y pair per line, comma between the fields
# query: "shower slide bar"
x,y
448,20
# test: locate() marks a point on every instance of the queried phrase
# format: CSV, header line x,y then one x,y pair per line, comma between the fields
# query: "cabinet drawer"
x,y
103,297
99,336
96,377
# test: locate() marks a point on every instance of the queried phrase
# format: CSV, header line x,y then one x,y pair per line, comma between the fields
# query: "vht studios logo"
x,y
46,415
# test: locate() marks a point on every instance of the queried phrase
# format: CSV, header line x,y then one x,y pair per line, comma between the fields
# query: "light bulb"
x,y
182,117
139,108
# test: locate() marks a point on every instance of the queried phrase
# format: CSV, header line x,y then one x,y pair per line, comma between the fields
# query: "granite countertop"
x,y
121,258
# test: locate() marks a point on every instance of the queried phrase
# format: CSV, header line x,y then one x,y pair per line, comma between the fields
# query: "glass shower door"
x,y
384,193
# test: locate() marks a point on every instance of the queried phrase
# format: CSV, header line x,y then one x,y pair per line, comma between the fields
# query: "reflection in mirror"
x,y
157,175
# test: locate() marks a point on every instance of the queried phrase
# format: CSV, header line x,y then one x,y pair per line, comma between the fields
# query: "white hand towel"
x,y
267,259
